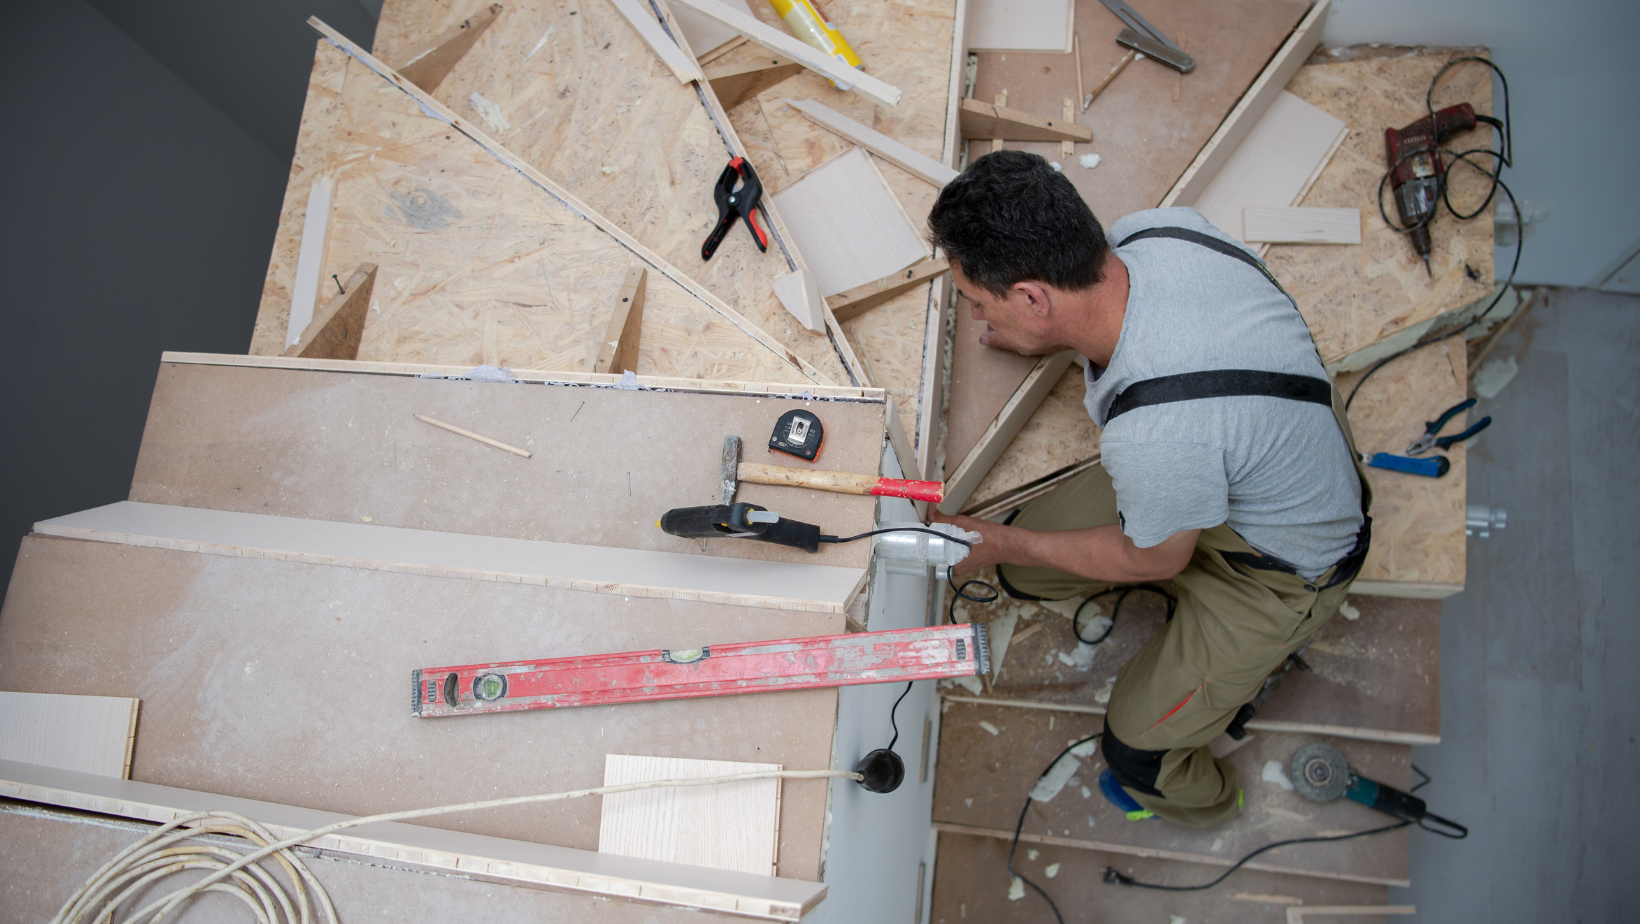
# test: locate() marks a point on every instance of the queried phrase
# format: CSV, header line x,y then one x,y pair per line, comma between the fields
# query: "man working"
x,y
1227,464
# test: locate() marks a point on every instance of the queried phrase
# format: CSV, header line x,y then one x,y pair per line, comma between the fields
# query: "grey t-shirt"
x,y
1277,470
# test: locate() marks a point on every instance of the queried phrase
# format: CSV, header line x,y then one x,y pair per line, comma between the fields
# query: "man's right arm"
x,y
1100,553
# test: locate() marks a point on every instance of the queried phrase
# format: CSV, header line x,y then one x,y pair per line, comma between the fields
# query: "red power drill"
x,y
1417,171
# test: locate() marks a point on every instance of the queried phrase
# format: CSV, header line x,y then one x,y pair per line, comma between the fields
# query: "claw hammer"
x,y
736,471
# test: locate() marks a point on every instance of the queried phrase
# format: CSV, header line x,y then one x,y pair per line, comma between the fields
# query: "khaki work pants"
x,y
1233,625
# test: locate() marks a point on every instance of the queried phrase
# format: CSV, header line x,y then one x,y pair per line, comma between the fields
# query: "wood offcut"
x,y
339,327
619,350
429,68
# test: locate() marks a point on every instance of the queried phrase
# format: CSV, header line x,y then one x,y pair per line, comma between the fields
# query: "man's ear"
x,y
1036,297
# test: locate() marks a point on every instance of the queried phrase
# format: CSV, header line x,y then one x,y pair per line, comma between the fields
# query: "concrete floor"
x,y
1541,654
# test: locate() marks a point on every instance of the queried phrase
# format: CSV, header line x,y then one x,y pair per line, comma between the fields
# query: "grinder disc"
x,y
1319,772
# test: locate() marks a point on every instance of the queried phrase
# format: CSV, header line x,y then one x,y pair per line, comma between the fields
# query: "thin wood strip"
x,y
649,29
473,436
987,120
583,379
860,299
438,110
924,168
787,46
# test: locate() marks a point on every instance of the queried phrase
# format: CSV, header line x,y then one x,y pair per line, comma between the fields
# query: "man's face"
x,y
1018,320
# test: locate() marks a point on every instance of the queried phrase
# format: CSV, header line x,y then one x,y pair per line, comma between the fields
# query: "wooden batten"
x,y
429,68
900,155
417,847
337,331
619,353
996,121
736,83
857,301
682,64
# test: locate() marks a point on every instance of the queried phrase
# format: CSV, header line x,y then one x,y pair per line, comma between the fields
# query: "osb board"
x,y
1355,296
1417,522
46,854
477,264
587,102
971,884
733,826
1377,677
1058,435
606,465
202,639
908,45
982,779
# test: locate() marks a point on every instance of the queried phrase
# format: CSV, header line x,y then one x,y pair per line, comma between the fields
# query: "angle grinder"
x,y
1321,774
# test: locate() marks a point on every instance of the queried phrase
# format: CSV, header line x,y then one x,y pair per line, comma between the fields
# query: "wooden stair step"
x,y
982,779
971,884
1376,678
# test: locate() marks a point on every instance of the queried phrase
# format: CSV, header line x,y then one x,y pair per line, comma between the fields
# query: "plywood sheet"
x,y
731,826
1376,677
848,225
204,640
1417,522
587,102
983,778
1273,165
477,264
87,734
599,569
1020,25
607,464
1356,296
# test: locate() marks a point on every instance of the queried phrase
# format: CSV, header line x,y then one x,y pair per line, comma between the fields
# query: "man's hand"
x,y
986,553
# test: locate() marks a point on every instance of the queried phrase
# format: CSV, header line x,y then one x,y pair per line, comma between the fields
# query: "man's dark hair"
x,y
1010,217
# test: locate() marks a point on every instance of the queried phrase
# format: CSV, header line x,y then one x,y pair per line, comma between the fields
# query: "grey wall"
x,y
138,218
1574,78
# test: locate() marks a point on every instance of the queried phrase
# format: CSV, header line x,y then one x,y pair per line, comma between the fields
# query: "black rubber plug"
x,y
883,769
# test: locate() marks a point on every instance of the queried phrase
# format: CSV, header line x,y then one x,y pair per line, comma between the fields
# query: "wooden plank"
x,y
1302,225
1288,145
620,346
1250,109
984,120
984,778
857,301
1021,25
597,569
799,291
900,155
736,83
730,826
86,734
201,639
420,847
339,328
608,461
1376,677
429,68
849,225
551,265
679,61
786,46
592,108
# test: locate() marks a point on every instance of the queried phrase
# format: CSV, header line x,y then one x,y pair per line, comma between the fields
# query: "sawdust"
x,y
1275,773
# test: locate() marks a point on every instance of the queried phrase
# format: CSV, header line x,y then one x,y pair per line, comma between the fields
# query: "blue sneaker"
x,y
1117,796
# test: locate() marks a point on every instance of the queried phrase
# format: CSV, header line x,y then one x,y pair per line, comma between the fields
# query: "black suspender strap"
x,y
1211,243
1220,383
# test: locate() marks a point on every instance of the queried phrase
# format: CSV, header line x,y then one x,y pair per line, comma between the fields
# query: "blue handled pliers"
x,y
1431,438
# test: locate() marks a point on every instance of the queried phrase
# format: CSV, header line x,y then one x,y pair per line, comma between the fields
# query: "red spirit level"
x,y
719,670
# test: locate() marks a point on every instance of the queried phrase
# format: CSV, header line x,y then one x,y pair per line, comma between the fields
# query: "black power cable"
x,y
1503,157
1115,877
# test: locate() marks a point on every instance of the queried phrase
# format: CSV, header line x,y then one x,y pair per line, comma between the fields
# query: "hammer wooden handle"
x,y
841,482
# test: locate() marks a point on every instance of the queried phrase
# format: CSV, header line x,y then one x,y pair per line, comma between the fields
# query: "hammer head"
x,y
731,468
